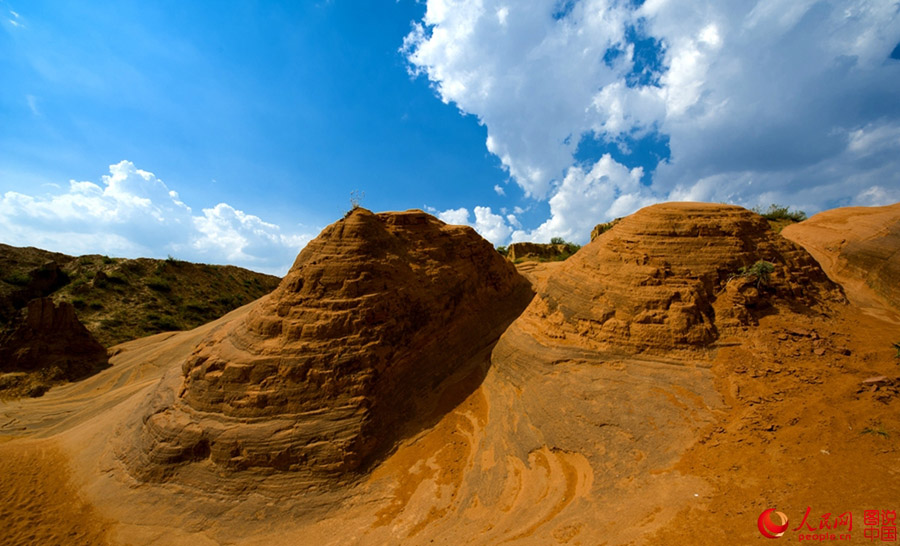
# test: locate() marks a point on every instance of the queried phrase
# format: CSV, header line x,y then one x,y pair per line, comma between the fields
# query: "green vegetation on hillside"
x,y
119,299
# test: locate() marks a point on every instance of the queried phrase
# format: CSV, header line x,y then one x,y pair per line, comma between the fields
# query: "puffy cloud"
x,y
244,238
787,100
588,197
527,76
133,213
458,216
489,225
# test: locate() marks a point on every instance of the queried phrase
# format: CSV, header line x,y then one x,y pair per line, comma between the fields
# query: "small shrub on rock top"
x,y
777,212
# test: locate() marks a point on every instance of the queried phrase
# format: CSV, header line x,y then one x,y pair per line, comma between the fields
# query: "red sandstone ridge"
x,y
49,344
375,313
666,279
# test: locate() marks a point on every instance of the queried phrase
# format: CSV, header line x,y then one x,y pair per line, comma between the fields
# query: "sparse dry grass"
x,y
119,299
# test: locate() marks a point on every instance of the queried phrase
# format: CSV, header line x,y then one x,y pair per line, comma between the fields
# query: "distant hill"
x,y
119,299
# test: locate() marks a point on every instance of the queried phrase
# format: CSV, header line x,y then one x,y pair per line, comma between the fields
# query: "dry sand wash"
x,y
646,394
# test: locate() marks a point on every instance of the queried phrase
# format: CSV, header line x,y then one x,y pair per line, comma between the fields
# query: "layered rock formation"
x,y
49,342
330,369
662,280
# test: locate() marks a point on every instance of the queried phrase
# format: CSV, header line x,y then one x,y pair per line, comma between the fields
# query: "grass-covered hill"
x,y
119,299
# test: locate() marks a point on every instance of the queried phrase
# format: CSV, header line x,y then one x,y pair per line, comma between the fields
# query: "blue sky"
x,y
233,132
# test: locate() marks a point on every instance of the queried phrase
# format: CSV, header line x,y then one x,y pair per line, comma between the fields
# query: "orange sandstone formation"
x,y
667,279
326,372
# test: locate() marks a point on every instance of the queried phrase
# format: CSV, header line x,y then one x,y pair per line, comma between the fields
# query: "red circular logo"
x,y
767,525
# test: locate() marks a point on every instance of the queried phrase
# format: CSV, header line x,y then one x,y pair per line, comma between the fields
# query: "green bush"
x,y
571,248
760,270
777,212
110,323
18,278
877,430
197,307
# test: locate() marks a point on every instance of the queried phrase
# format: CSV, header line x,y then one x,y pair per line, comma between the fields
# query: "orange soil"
x,y
801,431
38,503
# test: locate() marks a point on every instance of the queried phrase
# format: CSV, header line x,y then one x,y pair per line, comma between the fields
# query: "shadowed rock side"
x,y
47,344
857,247
333,367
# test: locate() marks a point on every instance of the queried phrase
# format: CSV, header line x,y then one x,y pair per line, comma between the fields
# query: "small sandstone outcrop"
x,y
325,373
600,229
653,283
39,282
47,340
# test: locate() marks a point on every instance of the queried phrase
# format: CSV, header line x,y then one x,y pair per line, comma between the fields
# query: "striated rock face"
x,y
666,279
48,339
325,372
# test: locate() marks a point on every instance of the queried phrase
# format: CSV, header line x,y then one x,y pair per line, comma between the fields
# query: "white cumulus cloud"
x,y
793,101
493,227
133,213
606,190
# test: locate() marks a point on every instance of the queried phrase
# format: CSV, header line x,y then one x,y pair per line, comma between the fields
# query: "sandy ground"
x,y
38,503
